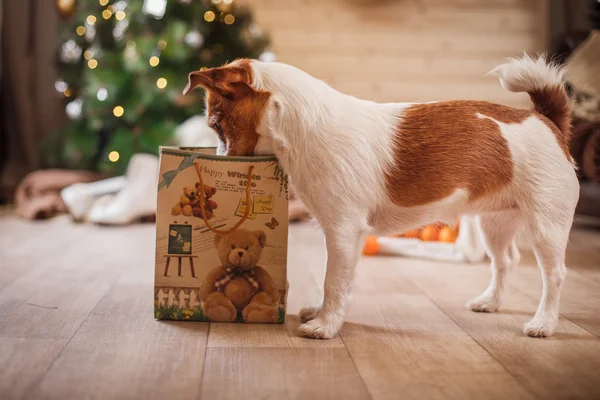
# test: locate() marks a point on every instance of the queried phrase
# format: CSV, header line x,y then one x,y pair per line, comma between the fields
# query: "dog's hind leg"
x,y
499,231
549,235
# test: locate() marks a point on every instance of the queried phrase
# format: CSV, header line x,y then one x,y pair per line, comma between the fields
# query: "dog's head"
x,y
234,107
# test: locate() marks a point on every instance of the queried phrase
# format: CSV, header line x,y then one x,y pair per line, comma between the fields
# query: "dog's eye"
x,y
219,129
246,248
232,246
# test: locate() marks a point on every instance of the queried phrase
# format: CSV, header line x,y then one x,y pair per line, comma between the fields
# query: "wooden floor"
x,y
76,322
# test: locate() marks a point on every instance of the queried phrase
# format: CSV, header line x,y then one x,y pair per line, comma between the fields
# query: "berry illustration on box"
x,y
221,250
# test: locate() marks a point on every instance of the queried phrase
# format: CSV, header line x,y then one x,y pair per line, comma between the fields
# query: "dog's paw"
x,y
309,313
318,329
484,303
540,327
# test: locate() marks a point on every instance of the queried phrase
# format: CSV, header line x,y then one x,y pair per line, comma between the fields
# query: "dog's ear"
x,y
228,81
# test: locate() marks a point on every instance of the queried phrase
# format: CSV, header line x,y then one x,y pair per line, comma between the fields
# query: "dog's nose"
x,y
240,253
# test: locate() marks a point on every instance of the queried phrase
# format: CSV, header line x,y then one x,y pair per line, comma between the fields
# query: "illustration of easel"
x,y
180,246
179,257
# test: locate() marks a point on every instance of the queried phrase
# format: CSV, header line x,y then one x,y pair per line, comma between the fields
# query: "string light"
x,y
73,109
67,92
203,69
91,20
162,44
113,156
156,8
120,15
119,5
209,16
60,86
229,19
102,94
80,30
111,8
161,83
106,14
216,1
227,1
92,63
118,111
88,54
103,2
154,60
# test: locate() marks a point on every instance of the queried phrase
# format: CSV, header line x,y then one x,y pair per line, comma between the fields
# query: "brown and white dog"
x,y
363,167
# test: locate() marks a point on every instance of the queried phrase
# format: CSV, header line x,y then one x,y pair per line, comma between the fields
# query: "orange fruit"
x,y
447,234
372,246
429,233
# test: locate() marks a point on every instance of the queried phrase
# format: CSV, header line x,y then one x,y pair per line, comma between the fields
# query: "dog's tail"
x,y
543,81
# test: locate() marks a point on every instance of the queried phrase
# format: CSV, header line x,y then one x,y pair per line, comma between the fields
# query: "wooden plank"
x,y
265,335
280,373
400,341
122,346
45,306
144,362
382,42
563,366
54,298
23,363
449,19
434,69
21,253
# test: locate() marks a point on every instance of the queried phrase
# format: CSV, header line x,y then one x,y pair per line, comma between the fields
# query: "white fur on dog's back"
x,y
527,74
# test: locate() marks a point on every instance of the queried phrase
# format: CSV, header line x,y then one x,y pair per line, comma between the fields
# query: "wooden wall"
x,y
405,50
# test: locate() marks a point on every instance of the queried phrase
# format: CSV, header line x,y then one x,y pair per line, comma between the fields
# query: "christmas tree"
x,y
122,66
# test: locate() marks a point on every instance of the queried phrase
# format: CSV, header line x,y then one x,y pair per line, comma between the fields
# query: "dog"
x,y
369,168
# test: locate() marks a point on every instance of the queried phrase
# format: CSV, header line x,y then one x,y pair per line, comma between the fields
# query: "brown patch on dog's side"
x,y
234,108
441,147
553,105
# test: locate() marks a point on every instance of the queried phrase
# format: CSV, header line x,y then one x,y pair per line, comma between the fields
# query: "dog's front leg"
x,y
344,245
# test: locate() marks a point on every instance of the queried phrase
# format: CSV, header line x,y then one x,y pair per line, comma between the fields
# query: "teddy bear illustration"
x,y
239,285
189,201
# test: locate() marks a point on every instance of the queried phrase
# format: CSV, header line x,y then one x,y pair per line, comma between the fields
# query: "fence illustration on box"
x,y
184,304
178,304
